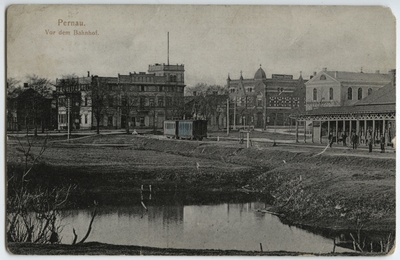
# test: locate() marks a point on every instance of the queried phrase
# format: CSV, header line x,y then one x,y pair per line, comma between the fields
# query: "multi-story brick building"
x,y
262,101
141,100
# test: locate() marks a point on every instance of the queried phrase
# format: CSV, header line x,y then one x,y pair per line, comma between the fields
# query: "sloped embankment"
x,y
329,191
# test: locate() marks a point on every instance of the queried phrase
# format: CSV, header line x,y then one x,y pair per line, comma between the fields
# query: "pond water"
x,y
236,226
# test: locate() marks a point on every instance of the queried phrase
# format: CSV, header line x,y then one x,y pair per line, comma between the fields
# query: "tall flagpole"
x,y
168,48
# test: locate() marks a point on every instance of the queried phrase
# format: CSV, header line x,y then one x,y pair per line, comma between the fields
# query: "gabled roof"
x,y
382,100
384,95
345,76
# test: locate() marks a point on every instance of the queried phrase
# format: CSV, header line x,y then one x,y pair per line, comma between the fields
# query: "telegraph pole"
x,y
168,48
227,117
69,117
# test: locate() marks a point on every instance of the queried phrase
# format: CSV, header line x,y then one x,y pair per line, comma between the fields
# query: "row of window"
x,y
143,88
349,93
148,101
283,102
74,88
63,102
62,118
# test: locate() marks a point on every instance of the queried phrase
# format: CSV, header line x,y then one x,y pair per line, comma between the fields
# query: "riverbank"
x,y
339,191
94,248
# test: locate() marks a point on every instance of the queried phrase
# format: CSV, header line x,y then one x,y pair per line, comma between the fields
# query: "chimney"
x,y
194,93
88,74
315,73
377,72
336,74
26,85
392,74
324,69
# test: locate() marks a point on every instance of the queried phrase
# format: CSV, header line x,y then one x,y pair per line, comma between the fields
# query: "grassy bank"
x,y
94,248
338,192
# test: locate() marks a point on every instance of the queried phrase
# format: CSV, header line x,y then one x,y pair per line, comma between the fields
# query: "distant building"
x,y
342,104
262,101
29,109
342,88
142,100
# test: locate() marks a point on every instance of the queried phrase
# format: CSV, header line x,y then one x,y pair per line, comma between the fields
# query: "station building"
x,y
341,104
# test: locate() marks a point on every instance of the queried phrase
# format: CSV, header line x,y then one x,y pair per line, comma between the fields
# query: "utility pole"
x,y
168,48
69,117
227,116
234,115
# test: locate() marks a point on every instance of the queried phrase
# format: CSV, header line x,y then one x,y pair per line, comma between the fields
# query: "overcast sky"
x,y
211,41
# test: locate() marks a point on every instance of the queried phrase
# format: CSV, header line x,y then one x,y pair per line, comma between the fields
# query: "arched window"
x,y
331,94
359,93
322,77
369,91
315,94
350,94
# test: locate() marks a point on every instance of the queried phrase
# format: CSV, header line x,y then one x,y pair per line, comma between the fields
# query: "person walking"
x,y
330,139
344,137
382,143
356,141
370,142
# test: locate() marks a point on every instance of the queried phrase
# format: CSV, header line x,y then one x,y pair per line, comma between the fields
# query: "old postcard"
x,y
200,130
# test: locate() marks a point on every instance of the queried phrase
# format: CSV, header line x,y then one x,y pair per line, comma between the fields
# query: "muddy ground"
x,y
340,190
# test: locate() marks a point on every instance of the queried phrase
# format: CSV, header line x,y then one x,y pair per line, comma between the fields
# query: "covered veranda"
x,y
343,122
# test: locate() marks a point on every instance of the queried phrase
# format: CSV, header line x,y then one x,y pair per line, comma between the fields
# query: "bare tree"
x,y
98,94
129,102
33,213
36,104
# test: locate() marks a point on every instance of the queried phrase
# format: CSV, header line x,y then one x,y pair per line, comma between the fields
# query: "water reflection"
x,y
223,226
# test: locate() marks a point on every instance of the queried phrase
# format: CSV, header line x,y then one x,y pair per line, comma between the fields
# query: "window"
x,y
259,102
85,101
110,121
160,101
151,102
331,94
86,119
142,101
110,101
323,77
169,101
315,94
359,93
142,88
62,118
161,88
369,91
124,102
350,94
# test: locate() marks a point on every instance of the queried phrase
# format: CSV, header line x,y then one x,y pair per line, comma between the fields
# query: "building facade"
x,y
262,101
342,88
140,100
29,109
350,104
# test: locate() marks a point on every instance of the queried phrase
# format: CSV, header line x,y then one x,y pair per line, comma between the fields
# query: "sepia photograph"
x,y
200,130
